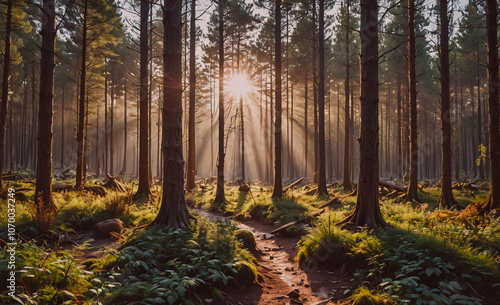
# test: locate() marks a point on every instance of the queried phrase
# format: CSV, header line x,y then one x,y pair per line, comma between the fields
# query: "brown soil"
x,y
283,281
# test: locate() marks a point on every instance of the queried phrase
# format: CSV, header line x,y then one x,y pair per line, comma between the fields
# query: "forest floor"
x,y
284,281
456,251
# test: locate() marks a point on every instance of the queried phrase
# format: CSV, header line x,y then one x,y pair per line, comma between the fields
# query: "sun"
x,y
239,85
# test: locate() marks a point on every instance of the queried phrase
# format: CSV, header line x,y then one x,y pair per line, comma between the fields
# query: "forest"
x,y
249,152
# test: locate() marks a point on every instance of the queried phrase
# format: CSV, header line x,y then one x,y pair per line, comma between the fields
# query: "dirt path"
x,y
284,282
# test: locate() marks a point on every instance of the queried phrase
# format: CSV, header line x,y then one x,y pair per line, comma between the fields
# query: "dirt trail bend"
x,y
284,282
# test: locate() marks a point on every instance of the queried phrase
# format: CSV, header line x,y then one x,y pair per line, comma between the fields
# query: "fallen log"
x,y
305,219
59,187
115,184
391,186
311,192
331,202
293,184
96,190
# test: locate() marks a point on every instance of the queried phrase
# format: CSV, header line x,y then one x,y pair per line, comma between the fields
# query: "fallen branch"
x,y
96,190
391,186
331,202
59,187
293,184
303,220
114,183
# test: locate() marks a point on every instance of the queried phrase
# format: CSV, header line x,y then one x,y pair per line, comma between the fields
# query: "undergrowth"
x,y
170,266
44,276
423,258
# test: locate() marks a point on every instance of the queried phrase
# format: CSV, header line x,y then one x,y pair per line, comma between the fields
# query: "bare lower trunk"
x,y
43,189
278,182
80,136
306,130
347,138
367,209
412,81
173,211
321,103
493,107
5,87
125,133
144,182
220,197
191,170
446,196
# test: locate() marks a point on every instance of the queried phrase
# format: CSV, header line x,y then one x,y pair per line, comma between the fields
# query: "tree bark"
x,y
144,182
63,110
315,96
192,94
446,195
106,152
44,202
367,209
412,83
347,138
479,115
220,197
125,132
5,87
321,102
278,181
493,106
111,126
173,211
399,134
306,129
80,136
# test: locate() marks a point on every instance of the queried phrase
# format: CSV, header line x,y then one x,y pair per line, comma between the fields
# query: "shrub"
x,y
365,296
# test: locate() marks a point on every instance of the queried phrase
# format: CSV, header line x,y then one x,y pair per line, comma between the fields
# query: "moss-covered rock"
x,y
248,239
246,274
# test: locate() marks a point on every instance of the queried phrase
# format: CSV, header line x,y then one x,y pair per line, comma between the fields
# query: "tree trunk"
x,y
412,83
97,162
85,139
315,96
479,115
367,209
173,211
33,123
46,210
144,182
446,195
399,135
125,132
321,102
220,197
278,181
111,126
493,107
191,171
292,164
80,137
306,131
347,138
457,124
106,152
63,110
5,87
473,126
